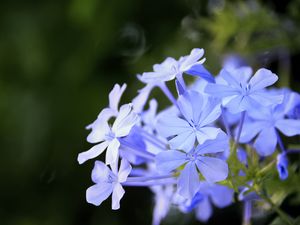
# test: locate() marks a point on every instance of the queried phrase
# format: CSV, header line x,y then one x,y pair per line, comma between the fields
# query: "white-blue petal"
x,y
97,193
124,170
112,153
117,195
115,96
92,152
261,79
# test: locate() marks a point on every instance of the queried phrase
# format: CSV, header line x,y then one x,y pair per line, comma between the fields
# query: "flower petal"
x,y
213,169
251,129
115,96
204,210
265,98
171,125
100,128
92,152
207,133
261,79
220,91
117,195
210,112
140,100
124,170
97,193
266,141
112,153
289,127
125,121
199,70
188,181
170,160
220,144
188,61
183,141
221,196
101,172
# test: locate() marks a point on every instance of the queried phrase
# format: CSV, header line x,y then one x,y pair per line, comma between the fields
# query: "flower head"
x,y
195,124
108,181
212,169
238,93
109,136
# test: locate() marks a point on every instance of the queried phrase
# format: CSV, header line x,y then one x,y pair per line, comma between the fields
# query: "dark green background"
x,y
58,62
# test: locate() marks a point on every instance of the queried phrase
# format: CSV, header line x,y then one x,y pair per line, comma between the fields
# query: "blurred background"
x,y
58,62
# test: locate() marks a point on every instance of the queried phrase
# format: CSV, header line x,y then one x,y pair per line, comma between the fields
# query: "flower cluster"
x,y
196,152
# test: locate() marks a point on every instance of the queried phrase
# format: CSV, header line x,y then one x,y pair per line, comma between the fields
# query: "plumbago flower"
x,y
182,153
263,124
239,94
108,182
109,137
212,169
171,68
198,113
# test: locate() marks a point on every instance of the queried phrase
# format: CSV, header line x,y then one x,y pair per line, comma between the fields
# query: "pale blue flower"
x,y
213,169
108,182
238,93
198,115
264,122
170,68
107,137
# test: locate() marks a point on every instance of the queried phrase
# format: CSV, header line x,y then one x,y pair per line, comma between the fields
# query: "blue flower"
x,y
213,169
108,182
108,136
263,123
198,113
282,166
238,93
170,68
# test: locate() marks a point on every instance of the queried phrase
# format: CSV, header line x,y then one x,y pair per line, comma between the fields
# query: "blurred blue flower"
x,y
263,123
208,194
108,182
238,93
